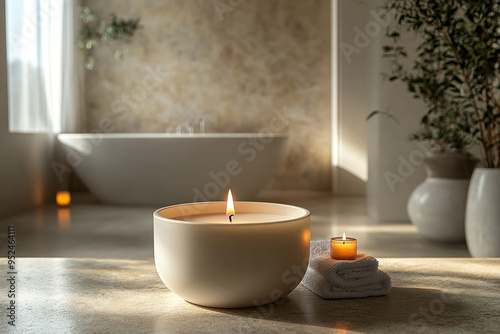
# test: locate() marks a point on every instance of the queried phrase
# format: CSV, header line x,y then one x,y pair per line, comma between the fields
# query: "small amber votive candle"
x,y
63,198
344,248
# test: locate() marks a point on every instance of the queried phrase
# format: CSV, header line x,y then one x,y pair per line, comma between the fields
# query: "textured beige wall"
x,y
232,62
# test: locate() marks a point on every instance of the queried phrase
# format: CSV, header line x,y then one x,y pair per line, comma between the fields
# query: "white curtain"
x,y
44,85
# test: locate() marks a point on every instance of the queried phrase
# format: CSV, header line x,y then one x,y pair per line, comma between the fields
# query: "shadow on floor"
x,y
414,308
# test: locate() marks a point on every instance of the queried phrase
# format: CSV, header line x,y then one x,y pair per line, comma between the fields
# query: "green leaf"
x,y
373,113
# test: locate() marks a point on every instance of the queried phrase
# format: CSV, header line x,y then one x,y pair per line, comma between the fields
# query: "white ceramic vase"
x,y
437,206
482,222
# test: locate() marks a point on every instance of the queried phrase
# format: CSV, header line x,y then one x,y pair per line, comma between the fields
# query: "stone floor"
x,y
91,230
89,268
78,295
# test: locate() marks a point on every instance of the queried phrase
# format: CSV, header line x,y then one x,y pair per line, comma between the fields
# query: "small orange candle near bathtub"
x,y
344,248
63,198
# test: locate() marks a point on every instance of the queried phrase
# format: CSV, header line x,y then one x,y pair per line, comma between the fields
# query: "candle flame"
x,y
230,204
343,237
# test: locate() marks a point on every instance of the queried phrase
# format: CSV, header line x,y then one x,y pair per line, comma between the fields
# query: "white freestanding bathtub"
x,y
164,169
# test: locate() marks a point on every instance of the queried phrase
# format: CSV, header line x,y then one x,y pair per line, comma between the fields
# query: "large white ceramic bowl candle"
x,y
258,258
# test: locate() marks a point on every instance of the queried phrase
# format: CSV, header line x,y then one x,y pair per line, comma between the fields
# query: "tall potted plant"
x,y
437,206
457,72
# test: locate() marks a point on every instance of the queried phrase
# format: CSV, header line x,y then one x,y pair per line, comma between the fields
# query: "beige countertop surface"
x,y
83,295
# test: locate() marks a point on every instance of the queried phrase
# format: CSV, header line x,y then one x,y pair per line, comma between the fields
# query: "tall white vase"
x,y
437,206
482,219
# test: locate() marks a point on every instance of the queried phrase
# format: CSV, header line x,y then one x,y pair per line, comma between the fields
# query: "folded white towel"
x,y
341,271
331,279
380,285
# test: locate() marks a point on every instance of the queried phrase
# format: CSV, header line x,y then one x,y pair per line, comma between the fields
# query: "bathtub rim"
x,y
125,135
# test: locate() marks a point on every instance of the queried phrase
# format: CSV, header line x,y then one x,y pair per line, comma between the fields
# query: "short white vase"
x,y
482,221
437,206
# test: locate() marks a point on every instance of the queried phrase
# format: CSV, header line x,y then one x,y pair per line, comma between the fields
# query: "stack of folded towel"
x,y
332,279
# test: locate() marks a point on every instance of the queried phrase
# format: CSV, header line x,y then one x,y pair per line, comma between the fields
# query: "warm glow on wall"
x,y
63,198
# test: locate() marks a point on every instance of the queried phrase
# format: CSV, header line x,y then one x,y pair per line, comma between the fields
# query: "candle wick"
x,y
231,218
344,242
